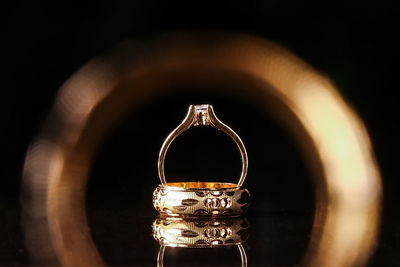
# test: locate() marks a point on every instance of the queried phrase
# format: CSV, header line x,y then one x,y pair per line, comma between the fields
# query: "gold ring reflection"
x,y
332,136
200,233
160,256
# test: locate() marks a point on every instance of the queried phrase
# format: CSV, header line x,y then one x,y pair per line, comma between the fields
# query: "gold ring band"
x,y
195,199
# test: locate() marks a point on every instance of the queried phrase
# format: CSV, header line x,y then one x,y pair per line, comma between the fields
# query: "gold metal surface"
x,y
210,199
332,136
202,115
202,185
200,233
197,199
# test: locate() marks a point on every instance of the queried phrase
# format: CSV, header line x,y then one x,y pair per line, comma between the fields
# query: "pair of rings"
x,y
201,199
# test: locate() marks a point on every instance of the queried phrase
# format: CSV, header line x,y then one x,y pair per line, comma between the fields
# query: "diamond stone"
x,y
202,116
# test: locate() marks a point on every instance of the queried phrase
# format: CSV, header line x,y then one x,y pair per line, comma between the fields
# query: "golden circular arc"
x,y
242,251
348,184
202,115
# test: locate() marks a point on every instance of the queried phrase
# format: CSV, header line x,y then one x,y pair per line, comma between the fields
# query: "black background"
x,y
354,43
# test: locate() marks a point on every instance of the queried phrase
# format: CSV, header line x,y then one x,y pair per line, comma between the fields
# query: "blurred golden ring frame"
x,y
332,136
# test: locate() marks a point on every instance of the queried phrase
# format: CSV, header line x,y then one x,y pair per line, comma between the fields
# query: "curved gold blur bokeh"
x,y
333,138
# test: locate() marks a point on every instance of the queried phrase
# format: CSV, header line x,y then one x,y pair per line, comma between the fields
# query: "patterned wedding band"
x,y
200,233
198,199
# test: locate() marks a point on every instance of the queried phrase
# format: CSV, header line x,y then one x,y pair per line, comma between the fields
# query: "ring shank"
x,y
202,115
